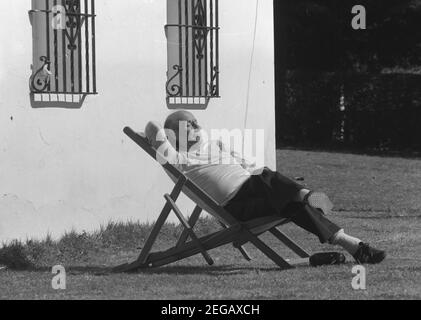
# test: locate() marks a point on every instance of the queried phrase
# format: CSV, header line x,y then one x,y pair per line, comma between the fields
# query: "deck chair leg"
x,y
272,255
239,246
244,252
143,257
189,249
161,220
140,262
154,234
189,229
289,243
192,222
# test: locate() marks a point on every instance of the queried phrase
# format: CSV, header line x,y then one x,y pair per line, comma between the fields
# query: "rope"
x,y
250,71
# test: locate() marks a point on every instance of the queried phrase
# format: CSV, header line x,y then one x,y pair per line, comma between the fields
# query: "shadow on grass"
x,y
216,271
76,270
170,270
174,270
205,270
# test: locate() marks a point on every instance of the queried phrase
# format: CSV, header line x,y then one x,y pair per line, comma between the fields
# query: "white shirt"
x,y
213,169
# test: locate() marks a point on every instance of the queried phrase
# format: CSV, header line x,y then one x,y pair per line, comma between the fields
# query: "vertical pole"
x,y
63,53
180,46
56,72
217,45
47,26
206,47
193,45
187,49
71,45
200,36
87,85
93,46
79,45
211,46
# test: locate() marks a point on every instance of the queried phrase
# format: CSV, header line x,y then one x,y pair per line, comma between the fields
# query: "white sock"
x,y
349,243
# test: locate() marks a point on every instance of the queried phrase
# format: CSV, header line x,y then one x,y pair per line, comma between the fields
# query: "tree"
x,y
319,35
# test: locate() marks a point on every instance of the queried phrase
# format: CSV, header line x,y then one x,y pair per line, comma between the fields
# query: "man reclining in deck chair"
x,y
248,195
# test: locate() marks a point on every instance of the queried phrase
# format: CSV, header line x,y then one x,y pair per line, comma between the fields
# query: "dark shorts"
x,y
263,195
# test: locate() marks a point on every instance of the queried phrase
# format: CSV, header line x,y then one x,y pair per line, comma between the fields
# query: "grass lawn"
x,y
377,199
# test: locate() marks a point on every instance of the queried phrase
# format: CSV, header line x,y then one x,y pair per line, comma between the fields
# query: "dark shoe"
x,y
368,255
327,258
319,200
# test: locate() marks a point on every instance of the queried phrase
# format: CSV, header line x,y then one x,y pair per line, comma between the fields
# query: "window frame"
x,y
193,53
55,72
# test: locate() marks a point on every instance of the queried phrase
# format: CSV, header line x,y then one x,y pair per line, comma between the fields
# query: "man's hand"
x,y
244,163
157,137
247,165
155,134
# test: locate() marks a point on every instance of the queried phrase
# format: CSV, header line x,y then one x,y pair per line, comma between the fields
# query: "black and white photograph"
x,y
227,152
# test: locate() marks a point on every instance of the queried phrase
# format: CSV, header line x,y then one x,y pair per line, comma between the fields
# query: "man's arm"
x,y
155,134
247,165
157,137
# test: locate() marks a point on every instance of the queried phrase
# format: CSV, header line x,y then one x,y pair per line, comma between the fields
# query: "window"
x,y
193,53
63,47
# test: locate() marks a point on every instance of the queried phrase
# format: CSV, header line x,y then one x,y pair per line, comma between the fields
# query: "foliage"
x,y
320,35
381,112
375,71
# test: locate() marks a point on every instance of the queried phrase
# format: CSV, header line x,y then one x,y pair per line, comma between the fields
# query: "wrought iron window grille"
x,y
193,53
68,63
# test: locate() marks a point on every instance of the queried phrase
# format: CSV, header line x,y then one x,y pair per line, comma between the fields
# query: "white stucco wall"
x,y
62,169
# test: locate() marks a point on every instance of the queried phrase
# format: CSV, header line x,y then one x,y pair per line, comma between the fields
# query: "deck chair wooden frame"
x,y
189,244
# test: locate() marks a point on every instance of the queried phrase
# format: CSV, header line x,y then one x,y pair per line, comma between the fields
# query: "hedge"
x,y
382,111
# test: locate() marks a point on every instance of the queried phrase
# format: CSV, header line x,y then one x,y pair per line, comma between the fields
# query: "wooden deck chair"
x,y
189,244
